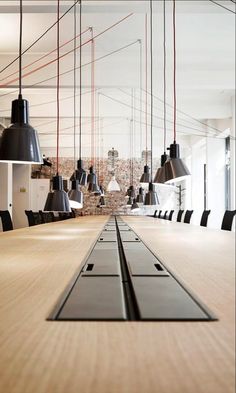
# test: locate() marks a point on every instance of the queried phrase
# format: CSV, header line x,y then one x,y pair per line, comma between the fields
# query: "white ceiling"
x,y
205,59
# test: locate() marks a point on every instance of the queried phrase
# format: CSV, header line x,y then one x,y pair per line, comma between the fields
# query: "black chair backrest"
x,y
165,215
179,216
228,220
159,214
6,220
31,218
187,217
204,219
46,217
66,216
171,214
155,214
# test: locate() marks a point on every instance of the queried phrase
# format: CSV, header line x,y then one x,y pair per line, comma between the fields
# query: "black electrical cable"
x,y
39,38
222,6
151,79
164,76
80,83
74,95
20,49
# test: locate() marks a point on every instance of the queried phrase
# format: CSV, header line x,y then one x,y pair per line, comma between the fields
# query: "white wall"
x,y
21,194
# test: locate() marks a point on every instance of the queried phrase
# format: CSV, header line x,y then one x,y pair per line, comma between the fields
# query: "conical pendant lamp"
x,y
102,202
75,194
113,185
19,141
146,176
151,198
160,177
80,173
140,196
175,168
58,199
135,207
129,203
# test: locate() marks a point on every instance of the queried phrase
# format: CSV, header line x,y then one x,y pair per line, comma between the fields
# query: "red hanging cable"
x,y
174,43
146,83
58,82
43,57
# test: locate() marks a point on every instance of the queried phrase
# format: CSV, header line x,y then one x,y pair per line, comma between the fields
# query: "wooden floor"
x,y
38,356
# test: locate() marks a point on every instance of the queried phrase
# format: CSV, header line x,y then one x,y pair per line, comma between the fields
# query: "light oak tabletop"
x,y
39,356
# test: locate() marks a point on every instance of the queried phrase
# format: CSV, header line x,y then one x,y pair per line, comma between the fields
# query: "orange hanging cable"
x,y
65,54
43,57
174,47
58,81
146,83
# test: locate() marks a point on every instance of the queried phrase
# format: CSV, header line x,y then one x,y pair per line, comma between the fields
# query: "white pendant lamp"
x,y
113,185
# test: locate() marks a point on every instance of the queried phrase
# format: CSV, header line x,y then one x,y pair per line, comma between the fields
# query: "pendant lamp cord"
x,y
74,98
20,49
151,71
92,101
164,42
58,80
146,83
174,44
80,81
140,91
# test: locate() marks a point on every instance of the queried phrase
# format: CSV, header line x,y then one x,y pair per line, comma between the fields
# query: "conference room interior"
x,y
117,196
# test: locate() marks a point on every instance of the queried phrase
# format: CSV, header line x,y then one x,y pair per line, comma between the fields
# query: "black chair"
x,y
6,220
228,220
204,219
165,215
187,217
155,214
46,217
66,216
33,218
170,215
159,214
179,216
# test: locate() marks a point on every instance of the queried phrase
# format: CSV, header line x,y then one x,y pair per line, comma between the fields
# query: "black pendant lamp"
x,y
102,202
58,199
140,196
129,203
135,207
80,173
146,176
160,177
75,194
151,198
19,141
175,168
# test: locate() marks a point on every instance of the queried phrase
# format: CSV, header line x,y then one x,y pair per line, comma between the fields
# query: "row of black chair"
x,y
34,218
227,221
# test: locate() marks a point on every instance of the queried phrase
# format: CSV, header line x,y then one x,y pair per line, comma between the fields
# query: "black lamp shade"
x,y
129,203
131,192
140,196
58,199
160,176
151,198
75,195
80,173
175,168
92,178
102,201
19,141
146,176
135,206
94,188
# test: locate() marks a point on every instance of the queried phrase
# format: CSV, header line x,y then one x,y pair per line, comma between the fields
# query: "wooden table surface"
x,y
39,356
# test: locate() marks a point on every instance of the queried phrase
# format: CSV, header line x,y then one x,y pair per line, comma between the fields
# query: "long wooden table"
x,y
39,356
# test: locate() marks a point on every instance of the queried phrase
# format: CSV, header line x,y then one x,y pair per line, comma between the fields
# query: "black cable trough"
x,y
122,280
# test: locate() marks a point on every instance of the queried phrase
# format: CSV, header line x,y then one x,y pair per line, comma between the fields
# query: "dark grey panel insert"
x,y
107,237
95,298
162,298
102,263
129,237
